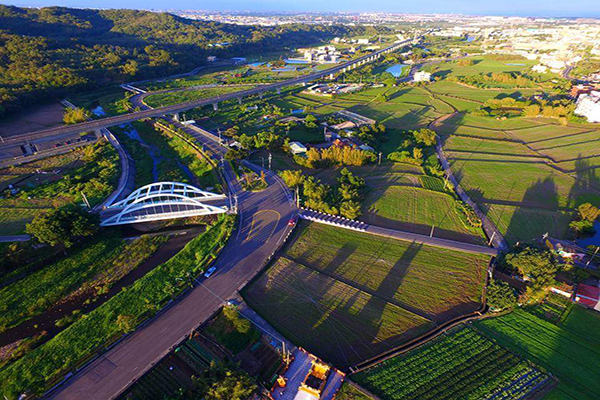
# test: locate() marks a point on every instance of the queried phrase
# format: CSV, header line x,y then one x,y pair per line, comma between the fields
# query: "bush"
x,y
500,296
63,226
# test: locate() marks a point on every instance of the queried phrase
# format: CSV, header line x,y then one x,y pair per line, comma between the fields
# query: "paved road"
x,y
262,229
396,234
59,131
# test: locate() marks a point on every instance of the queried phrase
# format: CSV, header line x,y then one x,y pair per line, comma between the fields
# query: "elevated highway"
x,y
95,125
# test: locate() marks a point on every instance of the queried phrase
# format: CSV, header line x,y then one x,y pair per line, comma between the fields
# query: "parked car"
x,y
209,272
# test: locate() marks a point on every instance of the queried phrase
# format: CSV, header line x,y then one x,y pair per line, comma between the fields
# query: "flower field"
x,y
462,364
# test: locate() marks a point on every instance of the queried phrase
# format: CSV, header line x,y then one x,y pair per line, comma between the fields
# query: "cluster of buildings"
x,y
322,54
331,89
588,105
422,76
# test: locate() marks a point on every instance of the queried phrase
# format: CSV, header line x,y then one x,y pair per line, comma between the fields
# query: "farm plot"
x,y
518,190
570,350
340,323
461,364
417,210
434,282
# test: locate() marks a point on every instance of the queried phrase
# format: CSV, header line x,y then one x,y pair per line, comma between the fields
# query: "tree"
x,y
126,323
500,296
234,386
539,266
75,115
588,212
242,325
62,226
427,137
292,178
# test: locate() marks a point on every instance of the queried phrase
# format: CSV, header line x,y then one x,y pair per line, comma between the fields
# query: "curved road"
x,y
263,227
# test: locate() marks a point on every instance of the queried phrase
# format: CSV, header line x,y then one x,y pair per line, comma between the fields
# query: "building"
x,y
539,68
211,58
589,296
297,148
422,76
356,118
362,41
588,105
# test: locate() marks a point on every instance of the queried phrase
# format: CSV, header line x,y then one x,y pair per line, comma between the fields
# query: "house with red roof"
x,y
589,296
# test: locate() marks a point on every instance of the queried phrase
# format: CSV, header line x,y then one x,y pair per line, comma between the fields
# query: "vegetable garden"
x,y
461,364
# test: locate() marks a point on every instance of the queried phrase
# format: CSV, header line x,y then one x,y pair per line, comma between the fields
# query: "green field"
x,y
570,349
361,292
85,269
509,169
56,181
416,210
461,364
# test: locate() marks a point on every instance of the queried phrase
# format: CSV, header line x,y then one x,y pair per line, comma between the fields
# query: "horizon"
x,y
526,9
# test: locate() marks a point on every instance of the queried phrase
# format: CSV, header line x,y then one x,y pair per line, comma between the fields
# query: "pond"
x,y
397,69
591,240
296,61
515,65
470,39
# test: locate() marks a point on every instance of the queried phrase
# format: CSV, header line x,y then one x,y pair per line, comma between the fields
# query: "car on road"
x,y
209,272
292,221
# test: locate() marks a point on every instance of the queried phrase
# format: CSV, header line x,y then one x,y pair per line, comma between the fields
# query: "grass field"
x,y
363,293
90,266
416,210
102,326
570,349
54,182
461,365
518,171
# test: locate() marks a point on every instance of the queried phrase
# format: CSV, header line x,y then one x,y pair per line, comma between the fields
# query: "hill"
x,y
50,52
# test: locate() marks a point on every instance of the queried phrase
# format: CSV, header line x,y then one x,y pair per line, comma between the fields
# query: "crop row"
x,y
446,350
450,367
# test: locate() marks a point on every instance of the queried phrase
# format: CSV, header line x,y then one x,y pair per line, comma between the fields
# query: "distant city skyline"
x,y
529,8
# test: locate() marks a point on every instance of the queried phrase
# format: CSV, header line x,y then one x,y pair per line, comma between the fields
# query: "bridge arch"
x,y
163,200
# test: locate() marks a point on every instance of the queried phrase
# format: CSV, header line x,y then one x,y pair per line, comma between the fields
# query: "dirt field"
x,y
32,119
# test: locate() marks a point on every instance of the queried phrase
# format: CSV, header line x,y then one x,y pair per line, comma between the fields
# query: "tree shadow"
x,y
587,183
525,226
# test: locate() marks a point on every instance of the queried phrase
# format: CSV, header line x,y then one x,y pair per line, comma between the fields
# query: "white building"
x,y
211,58
422,76
362,41
540,68
588,105
297,148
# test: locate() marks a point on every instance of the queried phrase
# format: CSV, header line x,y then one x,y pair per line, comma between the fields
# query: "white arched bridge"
x,y
163,200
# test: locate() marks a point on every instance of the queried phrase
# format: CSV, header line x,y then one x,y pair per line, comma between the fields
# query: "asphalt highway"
x,y
59,131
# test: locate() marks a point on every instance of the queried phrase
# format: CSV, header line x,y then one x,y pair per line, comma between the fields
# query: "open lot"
x,y
569,349
34,119
460,364
358,295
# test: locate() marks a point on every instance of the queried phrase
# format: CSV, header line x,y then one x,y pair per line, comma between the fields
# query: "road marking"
x,y
252,233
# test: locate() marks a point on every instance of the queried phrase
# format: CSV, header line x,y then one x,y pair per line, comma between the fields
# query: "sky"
x,y
541,8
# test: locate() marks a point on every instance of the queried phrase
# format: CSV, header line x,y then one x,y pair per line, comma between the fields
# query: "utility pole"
x,y
270,159
298,196
492,238
85,200
432,228
593,255
379,158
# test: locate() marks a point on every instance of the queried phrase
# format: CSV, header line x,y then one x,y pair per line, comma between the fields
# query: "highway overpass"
x,y
68,131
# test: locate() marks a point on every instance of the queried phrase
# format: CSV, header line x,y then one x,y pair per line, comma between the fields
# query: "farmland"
x,y
461,364
364,294
512,175
569,349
